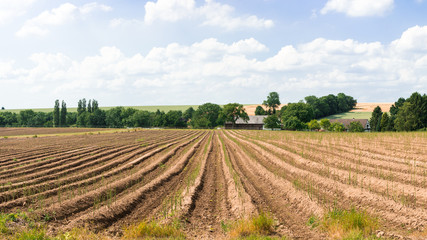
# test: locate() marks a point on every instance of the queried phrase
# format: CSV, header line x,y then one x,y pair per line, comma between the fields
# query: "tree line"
x,y
208,115
302,115
405,115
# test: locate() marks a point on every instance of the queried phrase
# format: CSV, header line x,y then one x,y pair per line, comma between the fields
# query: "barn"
x,y
254,123
346,122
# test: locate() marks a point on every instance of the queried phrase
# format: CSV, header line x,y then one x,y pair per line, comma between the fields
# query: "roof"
x,y
347,122
259,119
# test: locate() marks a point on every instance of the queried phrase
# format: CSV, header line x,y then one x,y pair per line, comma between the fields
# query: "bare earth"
x,y
205,178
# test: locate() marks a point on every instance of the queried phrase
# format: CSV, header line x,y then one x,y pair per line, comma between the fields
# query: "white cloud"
x,y
215,71
359,8
65,13
10,9
413,39
211,14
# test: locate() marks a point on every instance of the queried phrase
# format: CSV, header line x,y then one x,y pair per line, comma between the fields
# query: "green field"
x,y
351,115
164,108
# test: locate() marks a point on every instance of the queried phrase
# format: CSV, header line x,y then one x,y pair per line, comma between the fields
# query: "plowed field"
x,y
208,178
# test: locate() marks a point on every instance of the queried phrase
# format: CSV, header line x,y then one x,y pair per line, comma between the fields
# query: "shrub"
x,y
152,229
257,225
343,224
356,127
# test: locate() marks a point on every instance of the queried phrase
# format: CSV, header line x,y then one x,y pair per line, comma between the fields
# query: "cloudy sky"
x,y
174,52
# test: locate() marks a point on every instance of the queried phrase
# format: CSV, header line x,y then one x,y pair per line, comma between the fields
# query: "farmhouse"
x,y
346,122
254,123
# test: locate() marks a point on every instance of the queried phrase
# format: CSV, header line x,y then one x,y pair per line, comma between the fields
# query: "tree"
x,y
375,120
272,122
210,112
56,114
188,114
25,118
385,123
81,106
63,115
406,120
259,111
114,117
303,111
174,119
83,119
89,106
337,127
97,118
325,123
293,123
142,119
272,102
94,105
233,111
313,125
159,119
355,126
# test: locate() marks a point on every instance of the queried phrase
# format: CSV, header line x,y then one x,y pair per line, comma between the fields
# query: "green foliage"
x,y
375,121
385,123
313,125
356,126
325,123
406,120
152,230
63,115
207,116
302,111
351,224
293,123
56,114
272,122
272,102
257,226
175,119
259,110
233,111
188,114
330,104
337,127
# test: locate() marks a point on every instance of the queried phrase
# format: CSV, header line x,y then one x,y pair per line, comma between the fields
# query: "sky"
x,y
189,52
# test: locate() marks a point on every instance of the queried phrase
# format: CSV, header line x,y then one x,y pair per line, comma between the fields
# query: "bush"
x,y
255,226
344,224
337,127
313,125
152,229
356,127
325,123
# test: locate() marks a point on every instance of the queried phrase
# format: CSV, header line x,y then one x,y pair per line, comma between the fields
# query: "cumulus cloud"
x,y
63,14
218,71
211,13
10,9
358,8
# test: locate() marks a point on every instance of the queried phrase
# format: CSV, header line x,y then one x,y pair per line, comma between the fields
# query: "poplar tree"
x,y
63,116
56,114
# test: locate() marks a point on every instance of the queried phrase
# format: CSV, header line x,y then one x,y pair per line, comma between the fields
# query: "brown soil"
x,y
369,107
210,178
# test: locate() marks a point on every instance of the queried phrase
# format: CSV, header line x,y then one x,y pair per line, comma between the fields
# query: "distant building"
x,y
254,123
346,122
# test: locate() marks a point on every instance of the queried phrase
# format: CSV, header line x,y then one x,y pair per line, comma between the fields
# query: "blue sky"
x,y
170,52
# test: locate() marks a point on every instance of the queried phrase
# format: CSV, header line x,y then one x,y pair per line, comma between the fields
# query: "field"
x,y
351,115
32,132
204,182
164,108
